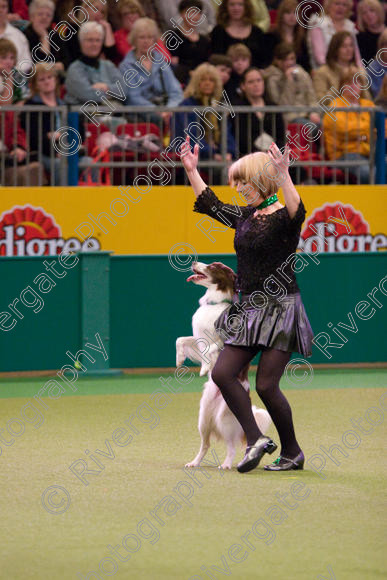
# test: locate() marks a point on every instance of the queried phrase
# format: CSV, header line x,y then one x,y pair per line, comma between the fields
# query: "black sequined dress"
x,y
267,309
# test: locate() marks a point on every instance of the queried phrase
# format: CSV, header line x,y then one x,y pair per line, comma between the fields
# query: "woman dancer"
x,y
267,315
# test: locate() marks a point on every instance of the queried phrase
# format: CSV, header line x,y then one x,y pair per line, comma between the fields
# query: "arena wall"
x,y
139,305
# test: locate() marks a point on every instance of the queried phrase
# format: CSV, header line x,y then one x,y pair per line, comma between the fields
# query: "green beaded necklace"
x,y
268,201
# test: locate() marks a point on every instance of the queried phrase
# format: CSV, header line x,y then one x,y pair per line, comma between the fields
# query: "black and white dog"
x,y
215,418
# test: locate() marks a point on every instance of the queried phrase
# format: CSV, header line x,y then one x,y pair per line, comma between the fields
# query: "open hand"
x,y
280,160
189,158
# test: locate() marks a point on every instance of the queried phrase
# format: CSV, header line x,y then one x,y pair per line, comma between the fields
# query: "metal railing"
x,y
23,128
142,145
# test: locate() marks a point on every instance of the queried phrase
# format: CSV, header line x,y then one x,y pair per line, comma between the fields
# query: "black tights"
x,y
231,361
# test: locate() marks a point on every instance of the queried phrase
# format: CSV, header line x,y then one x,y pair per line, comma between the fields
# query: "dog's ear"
x,y
223,276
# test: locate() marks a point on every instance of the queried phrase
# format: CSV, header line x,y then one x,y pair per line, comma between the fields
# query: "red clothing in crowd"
x,y
14,135
19,7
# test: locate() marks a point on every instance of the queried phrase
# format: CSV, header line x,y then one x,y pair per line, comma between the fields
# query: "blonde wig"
x,y
258,170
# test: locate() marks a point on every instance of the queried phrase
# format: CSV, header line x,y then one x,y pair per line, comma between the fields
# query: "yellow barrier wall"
x,y
153,222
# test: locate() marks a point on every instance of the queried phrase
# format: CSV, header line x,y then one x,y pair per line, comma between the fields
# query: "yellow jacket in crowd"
x,y
350,132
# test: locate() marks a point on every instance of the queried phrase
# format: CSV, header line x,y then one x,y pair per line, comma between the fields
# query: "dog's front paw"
x,y
180,351
205,369
225,465
192,464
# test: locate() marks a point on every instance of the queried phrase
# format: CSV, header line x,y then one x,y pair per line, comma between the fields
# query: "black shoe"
x,y
255,452
285,464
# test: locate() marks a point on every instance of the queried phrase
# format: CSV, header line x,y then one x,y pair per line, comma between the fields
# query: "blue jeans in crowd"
x,y
360,172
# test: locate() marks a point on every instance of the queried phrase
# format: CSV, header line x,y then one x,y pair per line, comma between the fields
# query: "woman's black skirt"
x,y
260,320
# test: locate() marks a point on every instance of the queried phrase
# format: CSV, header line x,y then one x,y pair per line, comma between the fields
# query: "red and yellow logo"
x,y
339,228
31,231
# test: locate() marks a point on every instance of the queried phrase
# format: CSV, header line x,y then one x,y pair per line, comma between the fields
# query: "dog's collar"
x,y
213,303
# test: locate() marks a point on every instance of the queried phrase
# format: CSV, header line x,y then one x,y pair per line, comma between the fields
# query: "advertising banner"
x,y
153,220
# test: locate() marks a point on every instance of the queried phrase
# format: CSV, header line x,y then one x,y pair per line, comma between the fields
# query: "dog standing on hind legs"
x,y
215,418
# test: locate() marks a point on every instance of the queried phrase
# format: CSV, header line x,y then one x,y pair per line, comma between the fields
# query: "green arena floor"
x,y
129,443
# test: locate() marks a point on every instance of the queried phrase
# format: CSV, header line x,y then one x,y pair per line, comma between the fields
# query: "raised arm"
x,y
190,161
281,161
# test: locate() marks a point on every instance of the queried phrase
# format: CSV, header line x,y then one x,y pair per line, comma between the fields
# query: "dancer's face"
x,y
249,193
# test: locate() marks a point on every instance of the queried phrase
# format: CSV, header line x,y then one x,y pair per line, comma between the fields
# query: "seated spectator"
x,y
41,127
18,10
204,87
149,7
261,17
90,77
235,25
41,15
370,22
347,137
256,131
24,62
130,11
321,30
158,85
195,48
240,57
288,29
289,84
12,88
223,65
21,169
340,58
96,11
206,18
377,71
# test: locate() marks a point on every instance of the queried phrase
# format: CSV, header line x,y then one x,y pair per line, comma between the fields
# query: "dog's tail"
x,y
262,418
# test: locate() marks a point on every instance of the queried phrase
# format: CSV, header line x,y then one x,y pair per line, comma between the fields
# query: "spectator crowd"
x,y
163,54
